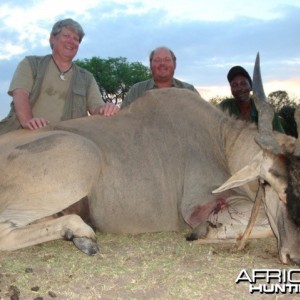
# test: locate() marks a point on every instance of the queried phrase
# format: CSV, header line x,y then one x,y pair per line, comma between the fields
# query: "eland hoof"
x,y
86,245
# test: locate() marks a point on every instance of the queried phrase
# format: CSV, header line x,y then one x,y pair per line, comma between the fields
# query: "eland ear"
x,y
247,174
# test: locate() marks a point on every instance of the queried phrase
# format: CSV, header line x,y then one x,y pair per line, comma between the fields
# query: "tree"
x,y
280,99
216,100
287,112
114,76
285,107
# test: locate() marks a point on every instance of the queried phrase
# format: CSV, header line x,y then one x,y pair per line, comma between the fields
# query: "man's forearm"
x,y
22,106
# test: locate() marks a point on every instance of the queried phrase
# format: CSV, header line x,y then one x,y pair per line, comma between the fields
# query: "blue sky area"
x,y
208,37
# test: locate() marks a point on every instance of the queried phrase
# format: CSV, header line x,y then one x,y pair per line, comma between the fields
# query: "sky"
x,y
207,36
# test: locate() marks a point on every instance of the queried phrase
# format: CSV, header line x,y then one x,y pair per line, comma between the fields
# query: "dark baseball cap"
x,y
238,70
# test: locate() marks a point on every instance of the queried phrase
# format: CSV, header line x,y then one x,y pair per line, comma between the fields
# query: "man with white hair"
x,y
52,88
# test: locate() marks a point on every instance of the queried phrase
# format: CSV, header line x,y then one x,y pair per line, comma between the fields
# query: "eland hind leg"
x,y
43,175
69,227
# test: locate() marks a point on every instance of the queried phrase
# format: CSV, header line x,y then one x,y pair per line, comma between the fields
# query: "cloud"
x,y
207,37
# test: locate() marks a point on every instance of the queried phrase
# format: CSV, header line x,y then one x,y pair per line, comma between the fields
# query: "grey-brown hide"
x,y
150,168
41,174
162,161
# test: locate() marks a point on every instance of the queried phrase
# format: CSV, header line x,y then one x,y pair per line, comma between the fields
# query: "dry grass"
x,y
148,266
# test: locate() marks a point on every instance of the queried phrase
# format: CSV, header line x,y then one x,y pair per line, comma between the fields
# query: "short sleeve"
x,y
22,77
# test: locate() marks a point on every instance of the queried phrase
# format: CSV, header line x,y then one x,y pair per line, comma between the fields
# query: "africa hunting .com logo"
x,y
271,281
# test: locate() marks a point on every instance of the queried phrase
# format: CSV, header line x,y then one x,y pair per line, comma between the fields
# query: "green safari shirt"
x,y
230,106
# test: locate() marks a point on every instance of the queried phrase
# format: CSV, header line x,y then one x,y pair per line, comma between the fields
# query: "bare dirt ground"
x,y
146,266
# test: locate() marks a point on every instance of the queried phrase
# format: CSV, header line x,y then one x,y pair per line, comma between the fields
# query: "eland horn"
x,y
265,136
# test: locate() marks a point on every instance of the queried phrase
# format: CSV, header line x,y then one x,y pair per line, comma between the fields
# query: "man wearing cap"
x,y
242,105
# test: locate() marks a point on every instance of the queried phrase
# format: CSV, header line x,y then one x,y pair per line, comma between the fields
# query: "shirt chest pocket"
x,y
79,101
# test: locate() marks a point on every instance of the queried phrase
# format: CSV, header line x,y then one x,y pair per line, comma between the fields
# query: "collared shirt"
x,y
231,106
140,88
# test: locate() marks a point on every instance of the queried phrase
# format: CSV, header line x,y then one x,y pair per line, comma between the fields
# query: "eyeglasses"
x,y
160,60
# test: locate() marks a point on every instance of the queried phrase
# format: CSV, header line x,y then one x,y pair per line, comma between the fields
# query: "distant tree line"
x,y
283,105
115,76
